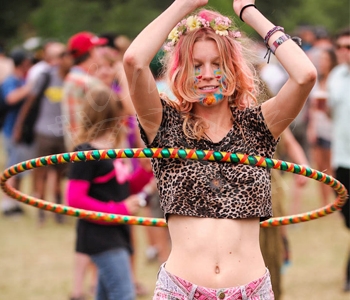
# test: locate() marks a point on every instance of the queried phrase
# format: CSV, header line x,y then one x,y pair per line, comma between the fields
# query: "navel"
x,y
217,270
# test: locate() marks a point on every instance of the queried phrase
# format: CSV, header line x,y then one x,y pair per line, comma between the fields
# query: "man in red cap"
x,y
82,43
83,47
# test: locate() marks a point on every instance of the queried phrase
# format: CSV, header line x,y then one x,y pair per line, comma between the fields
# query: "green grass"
x,y
36,262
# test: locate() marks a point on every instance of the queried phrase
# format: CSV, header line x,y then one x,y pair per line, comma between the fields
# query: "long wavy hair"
x,y
241,79
102,115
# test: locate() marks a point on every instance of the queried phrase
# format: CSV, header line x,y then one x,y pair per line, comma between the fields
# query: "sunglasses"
x,y
63,54
343,47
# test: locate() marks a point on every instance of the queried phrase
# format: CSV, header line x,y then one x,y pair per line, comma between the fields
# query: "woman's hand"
x,y
132,204
201,3
239,4
300,180
194,4
17,133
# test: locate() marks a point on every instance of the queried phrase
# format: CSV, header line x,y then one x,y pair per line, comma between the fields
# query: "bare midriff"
x,y
215,253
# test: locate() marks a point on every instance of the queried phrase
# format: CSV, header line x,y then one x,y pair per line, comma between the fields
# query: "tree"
x,y
70,16
13,16
21,19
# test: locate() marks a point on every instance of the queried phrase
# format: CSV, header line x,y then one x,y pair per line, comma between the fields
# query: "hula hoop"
x,y
164,153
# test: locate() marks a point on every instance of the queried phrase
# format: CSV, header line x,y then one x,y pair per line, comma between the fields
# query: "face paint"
x,y
209,99
197,75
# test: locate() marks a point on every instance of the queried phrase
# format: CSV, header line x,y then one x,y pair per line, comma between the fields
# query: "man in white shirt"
x,y
339,104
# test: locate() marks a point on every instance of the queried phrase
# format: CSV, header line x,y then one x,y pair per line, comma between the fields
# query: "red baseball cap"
x,y
83,42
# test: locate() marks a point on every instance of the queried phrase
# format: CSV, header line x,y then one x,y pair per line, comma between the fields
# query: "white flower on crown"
x,y
174,35
193,22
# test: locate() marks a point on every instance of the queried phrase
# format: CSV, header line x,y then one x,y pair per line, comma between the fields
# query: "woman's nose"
x,y
207,72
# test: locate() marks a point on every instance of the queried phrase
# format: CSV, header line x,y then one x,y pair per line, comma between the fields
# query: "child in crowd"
x,y
106,186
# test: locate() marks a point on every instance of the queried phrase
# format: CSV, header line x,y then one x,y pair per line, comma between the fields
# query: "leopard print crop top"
x,y
214,189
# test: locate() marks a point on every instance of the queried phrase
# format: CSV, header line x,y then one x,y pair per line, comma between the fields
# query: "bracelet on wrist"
x,y
272,49
270,33
243,8
279,42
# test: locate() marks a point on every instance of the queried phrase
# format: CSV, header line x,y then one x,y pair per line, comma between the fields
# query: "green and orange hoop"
x,y
165,153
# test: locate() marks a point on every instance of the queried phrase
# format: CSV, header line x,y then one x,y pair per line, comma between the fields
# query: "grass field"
x,y
36,263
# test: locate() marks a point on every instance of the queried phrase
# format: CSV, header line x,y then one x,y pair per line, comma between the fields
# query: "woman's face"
x,y
325,63
208,80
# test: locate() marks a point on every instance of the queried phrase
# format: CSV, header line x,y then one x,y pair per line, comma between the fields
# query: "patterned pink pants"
x,y
171,287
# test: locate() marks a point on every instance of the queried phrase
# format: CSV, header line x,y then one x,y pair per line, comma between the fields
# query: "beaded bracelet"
x,y
270,33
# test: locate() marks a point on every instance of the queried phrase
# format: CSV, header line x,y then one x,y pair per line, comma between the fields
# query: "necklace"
x,y
207,136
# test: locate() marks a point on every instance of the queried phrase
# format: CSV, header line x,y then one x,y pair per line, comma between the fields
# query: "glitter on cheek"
x,y
218,74
197,74
221,79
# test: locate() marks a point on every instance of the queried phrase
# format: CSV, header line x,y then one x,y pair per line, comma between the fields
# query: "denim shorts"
x,y
171,287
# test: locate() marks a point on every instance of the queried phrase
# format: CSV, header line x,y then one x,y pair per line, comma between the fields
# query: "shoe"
x,y
140,289
59,219
77,298
17,210
347,286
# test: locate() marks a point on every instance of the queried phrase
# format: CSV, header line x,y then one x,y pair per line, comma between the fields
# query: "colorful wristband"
x,y
270,33
279,42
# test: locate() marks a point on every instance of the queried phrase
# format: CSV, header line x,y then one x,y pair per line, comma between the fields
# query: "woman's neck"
x,y
219,115
219,120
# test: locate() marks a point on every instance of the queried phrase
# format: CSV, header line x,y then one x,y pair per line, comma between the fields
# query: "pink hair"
x,y
240,76
241,81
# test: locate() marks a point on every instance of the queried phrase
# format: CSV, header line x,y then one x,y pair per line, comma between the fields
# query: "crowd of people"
x,y
99,91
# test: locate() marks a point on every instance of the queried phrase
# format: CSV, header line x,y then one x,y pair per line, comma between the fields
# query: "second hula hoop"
x,y
166,153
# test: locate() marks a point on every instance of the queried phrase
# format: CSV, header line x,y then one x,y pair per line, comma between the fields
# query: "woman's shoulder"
x,y
171,104
252,120
248,114
171,110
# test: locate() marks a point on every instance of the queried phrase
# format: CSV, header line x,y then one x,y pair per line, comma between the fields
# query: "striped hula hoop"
x,y
165,153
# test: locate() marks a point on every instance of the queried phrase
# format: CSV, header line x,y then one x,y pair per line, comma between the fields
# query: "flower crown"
x,y
221,25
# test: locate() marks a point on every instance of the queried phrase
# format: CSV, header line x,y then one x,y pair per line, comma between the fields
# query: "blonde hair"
x,y
242,83
102,115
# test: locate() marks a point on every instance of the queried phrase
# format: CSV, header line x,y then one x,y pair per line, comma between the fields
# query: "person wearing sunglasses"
x,y
339,105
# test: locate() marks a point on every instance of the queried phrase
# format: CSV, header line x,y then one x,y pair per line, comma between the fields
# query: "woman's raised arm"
x,y
142,86
281,110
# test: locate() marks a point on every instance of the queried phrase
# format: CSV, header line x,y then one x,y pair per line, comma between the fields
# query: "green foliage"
x,y
21,19
72,16
13,14
332,15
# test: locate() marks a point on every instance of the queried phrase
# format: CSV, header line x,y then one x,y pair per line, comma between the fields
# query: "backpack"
x,y
27,132
4,108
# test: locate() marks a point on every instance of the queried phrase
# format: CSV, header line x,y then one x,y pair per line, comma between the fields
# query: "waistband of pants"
x,y
170,282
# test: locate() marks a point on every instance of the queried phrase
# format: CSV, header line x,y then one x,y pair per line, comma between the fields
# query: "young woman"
x,y
213,209
106,186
